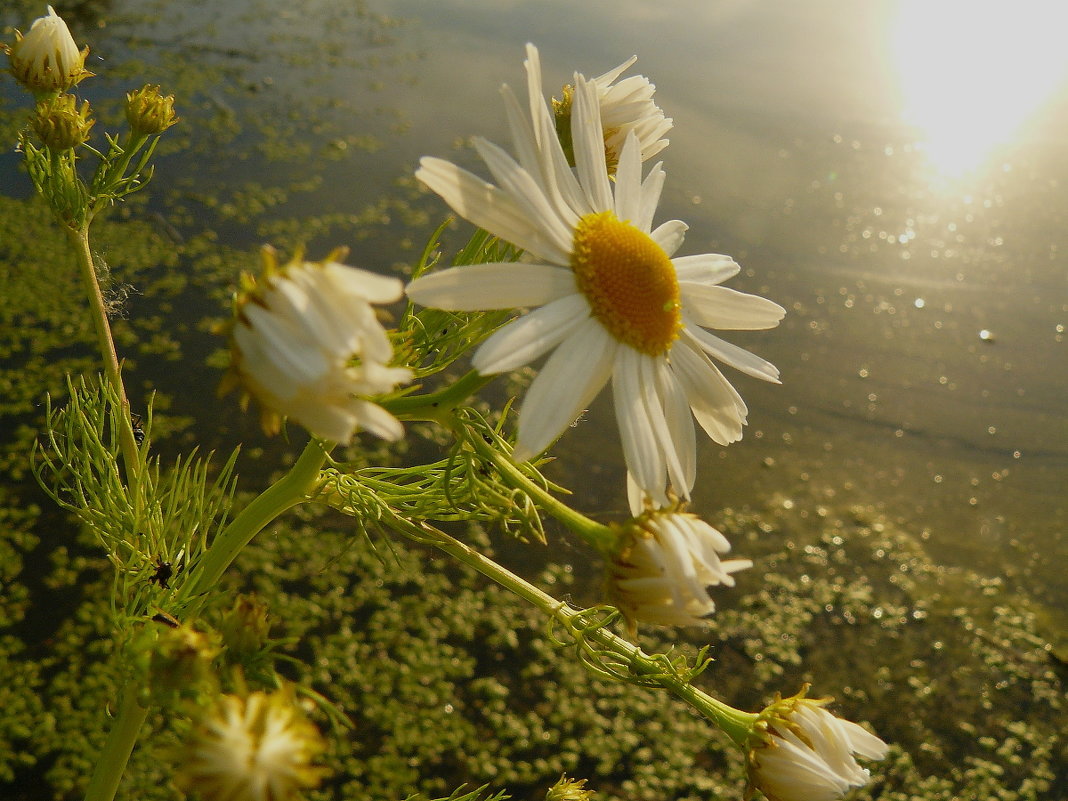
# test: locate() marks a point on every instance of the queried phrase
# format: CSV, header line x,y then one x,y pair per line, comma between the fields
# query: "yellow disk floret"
x,y
628,280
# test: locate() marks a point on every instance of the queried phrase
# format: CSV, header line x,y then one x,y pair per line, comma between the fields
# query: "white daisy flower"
x,y
307,345
47,59
625,106
662,572
804,753
254,748
612,301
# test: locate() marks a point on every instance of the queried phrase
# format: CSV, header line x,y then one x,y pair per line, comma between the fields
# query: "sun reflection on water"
x,y
972,71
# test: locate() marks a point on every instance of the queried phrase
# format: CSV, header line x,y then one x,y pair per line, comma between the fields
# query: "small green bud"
x,y
149,112
60,124
46,60
245,629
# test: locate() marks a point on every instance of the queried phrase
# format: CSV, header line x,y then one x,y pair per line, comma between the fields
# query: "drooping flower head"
x,y
614,302
625,106
306,343
664,566
801,752
47,60
258,747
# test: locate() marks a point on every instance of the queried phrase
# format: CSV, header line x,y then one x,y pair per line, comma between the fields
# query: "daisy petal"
x,y
588,140
669,235
651,188
738,358
719,409
707,268
497,285
364,284
526,192
729,309
487,207
641,451
629,181
570,379
680,425
532,335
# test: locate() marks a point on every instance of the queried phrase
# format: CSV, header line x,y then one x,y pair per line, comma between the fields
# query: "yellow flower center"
x,y
628,280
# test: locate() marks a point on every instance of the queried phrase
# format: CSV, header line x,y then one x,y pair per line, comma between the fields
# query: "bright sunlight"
x,y
972,72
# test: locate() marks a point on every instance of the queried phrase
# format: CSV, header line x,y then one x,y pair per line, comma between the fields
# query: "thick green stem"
x,y
120,744
735,723
284,494
434,405
80,239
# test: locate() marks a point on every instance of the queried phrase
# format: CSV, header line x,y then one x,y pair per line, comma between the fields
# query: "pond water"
x,y
898,191
871,166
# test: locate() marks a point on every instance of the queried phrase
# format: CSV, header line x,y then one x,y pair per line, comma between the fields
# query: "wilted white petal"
x,y
738,358
306,343
806,753
664,567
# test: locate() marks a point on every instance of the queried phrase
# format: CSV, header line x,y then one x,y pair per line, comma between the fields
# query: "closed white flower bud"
x,y
307,345
804,753
47,60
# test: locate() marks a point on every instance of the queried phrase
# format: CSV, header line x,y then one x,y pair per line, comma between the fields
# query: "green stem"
x,y
120,743
284,494
434,405
597,535
109,176
735,723
80,239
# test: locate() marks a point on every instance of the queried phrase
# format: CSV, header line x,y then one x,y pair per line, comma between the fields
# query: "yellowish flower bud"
x,y
149,112
46,60
258,747
60,124
569,790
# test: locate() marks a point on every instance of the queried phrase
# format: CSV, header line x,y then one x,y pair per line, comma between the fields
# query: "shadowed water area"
x,y
862,162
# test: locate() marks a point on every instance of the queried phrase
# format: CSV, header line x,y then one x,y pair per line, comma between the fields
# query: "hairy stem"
x,y
80,239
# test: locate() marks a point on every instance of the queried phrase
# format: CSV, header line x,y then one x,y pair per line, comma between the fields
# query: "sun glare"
x,y
972,71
